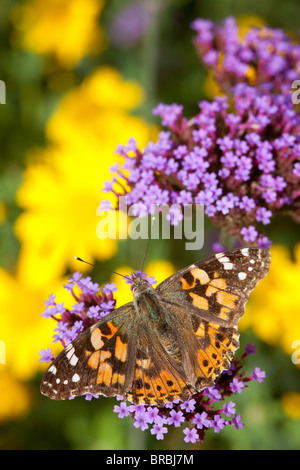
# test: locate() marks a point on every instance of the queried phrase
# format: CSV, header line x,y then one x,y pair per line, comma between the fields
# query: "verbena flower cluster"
x,y
239,155
264,57
202,411
90,305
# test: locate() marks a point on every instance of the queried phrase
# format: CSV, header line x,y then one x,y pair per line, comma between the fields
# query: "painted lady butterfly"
x,y
170,342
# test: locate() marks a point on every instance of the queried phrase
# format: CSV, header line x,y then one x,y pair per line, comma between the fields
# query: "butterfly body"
x,y
170,342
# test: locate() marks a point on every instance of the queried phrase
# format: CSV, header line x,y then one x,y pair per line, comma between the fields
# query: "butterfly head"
x,y
139,284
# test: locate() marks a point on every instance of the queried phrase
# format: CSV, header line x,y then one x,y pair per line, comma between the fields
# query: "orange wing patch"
x,y
155,385
226,299
118,378
121,350
97,335
199,302
224,313
96,339
197,273
215,285
98,358
201,275
93,361
104,373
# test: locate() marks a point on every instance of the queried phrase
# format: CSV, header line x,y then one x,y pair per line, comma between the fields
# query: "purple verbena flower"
x,y
191,435
237,422
122,410
188,406
153,413
250,348
258,374
228,408
141,420
176,418
218,423
159,430
200,420
236,385
249,233
46,355
213,393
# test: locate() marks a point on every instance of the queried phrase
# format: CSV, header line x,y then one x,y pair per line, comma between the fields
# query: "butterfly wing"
x,y
97,361
158,378
218,287
117,356
210,297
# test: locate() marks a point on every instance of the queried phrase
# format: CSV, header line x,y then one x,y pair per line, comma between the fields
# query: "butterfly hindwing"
x,y
157,378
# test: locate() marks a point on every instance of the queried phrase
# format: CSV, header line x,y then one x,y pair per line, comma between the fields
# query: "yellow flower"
x,y
60,200
290,403
246,22
273,311
160,270
23,331
62,183
211,87
15,396
66,29
97,112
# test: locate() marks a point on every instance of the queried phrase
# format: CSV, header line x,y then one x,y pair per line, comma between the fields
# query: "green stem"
x,y
226,239
150,55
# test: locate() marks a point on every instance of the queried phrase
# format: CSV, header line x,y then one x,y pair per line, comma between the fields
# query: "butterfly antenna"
x,y
100,267
147,247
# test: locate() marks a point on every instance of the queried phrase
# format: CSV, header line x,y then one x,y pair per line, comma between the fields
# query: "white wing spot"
x,y
224,259
75,378
228,266
70,352
65,382
245,251
57,381
252,261
250,268
219,255
242,276
73,360
52,369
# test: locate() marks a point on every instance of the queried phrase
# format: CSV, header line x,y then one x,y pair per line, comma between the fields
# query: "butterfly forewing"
x,y
218,287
